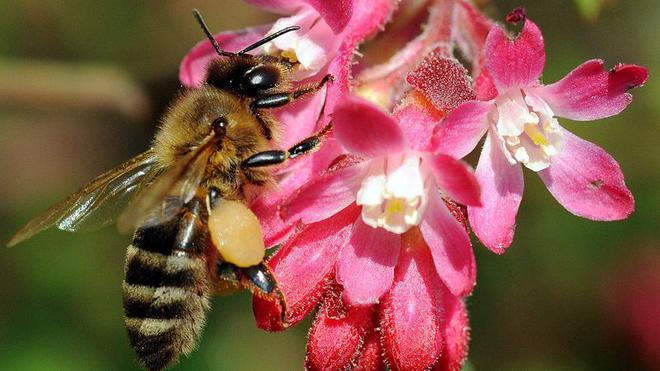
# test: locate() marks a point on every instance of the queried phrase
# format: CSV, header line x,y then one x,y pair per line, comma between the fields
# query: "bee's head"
x,y
247,75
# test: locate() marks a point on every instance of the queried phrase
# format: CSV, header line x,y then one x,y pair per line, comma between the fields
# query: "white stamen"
x,y
305,47
528,129
393,195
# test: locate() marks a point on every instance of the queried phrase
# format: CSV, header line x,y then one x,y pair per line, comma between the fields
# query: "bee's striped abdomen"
x,y
165,295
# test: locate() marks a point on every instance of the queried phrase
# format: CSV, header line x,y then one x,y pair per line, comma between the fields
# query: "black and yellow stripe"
x,y
166,296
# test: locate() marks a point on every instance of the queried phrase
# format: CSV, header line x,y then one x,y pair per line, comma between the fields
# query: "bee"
x,y
194,234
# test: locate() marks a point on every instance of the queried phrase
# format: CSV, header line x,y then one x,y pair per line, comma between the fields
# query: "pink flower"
x,y
384,254
374,225
450,25
518,116
330,32
397,187
417,324
312,47
371,201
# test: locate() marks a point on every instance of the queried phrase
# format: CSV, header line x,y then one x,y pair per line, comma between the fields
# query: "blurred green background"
x,y
82,85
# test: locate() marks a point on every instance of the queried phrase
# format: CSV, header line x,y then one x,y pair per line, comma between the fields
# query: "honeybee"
x,y
194,234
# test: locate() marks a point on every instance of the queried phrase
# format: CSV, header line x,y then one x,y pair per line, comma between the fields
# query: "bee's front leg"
x,y
276,157
280,99
276,100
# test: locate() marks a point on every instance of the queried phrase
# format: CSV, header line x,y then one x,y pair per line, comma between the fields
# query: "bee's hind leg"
x,y
261,283
276,157
259,279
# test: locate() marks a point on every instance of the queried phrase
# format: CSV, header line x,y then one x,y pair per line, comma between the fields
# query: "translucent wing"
x,y
161,200
97,203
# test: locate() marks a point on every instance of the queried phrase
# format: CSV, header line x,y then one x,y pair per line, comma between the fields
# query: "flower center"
x,y
290,55
309,47
528,129
393,194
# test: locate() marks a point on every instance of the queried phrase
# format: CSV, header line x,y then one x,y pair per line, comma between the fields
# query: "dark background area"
x,y
82,85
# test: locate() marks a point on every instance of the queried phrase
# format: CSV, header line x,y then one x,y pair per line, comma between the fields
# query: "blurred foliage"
x,y
590,9
541,306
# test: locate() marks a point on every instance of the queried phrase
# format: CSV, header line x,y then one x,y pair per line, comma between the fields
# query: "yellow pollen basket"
x,y
535,134
236,233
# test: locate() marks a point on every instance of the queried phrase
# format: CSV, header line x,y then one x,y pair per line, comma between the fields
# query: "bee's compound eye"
x,y
261,78
219,126
236,233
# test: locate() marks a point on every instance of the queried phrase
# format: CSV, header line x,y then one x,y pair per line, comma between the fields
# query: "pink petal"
x,y
455,178
410,320
459,212
333,303
326,195
192,71
417,125
269,313
300,119
369,16
456,333
268,210
591,92
484,86
302,266
461,130
386,81
365,130
339,67
315,43
366,263
587,181
295,174
333,344
336,13
270,207
450,246
502,186
370,358
278,6
470,32
443,81
518,62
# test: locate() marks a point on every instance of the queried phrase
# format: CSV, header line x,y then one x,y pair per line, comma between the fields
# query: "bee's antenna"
x,y
200,20
269,38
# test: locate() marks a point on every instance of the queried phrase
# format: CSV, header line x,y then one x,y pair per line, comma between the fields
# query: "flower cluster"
x,y
374,226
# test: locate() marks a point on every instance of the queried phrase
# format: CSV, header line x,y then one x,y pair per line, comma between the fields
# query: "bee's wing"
x,y
97,203
162,200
